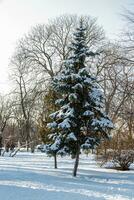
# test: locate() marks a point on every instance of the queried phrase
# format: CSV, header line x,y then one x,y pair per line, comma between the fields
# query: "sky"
x,y
18,16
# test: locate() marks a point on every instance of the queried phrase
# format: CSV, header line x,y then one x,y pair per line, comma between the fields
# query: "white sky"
x,y
18,16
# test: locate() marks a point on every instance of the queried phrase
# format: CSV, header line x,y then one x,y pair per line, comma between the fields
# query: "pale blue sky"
x,y
18,16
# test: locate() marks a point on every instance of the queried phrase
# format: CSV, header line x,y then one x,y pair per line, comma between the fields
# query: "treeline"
x,y
38,59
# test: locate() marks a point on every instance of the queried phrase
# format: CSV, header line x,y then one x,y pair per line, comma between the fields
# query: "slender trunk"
x,y
27,145
0,149
28,138
18,144
32,147
0,143
76,162
55,161
15,152
105,148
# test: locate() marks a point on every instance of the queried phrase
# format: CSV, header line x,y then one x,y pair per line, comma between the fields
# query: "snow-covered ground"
x,y
32,177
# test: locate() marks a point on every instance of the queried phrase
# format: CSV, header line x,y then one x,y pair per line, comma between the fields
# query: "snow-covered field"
x,y
32,177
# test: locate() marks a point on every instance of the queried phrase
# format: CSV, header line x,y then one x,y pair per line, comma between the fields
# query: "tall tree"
x,y
26,95
45,47
5,115
80,123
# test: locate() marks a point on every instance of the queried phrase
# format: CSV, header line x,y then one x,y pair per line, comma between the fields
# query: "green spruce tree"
x,y
80,123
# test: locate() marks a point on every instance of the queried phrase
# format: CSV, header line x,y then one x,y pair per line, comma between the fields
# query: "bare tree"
x,y
127,38
115,76
5,115
26,94
46,46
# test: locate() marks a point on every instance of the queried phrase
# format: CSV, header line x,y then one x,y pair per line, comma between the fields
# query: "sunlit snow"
x,y
32,177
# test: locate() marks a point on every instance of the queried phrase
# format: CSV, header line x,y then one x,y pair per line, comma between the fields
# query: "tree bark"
x,y
55,161
76,162
33,147
0,144
27,145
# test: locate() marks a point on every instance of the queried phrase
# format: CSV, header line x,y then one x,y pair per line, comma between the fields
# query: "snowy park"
x,y
66,100
32,177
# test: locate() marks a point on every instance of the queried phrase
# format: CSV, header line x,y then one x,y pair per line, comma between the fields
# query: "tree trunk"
x,y
27,145
0,143
76,162
55,161
32,147
28,138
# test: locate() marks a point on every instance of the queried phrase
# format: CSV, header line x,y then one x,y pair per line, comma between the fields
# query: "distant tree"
x,y
80,123
46,45
128,35
6,106
25,95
